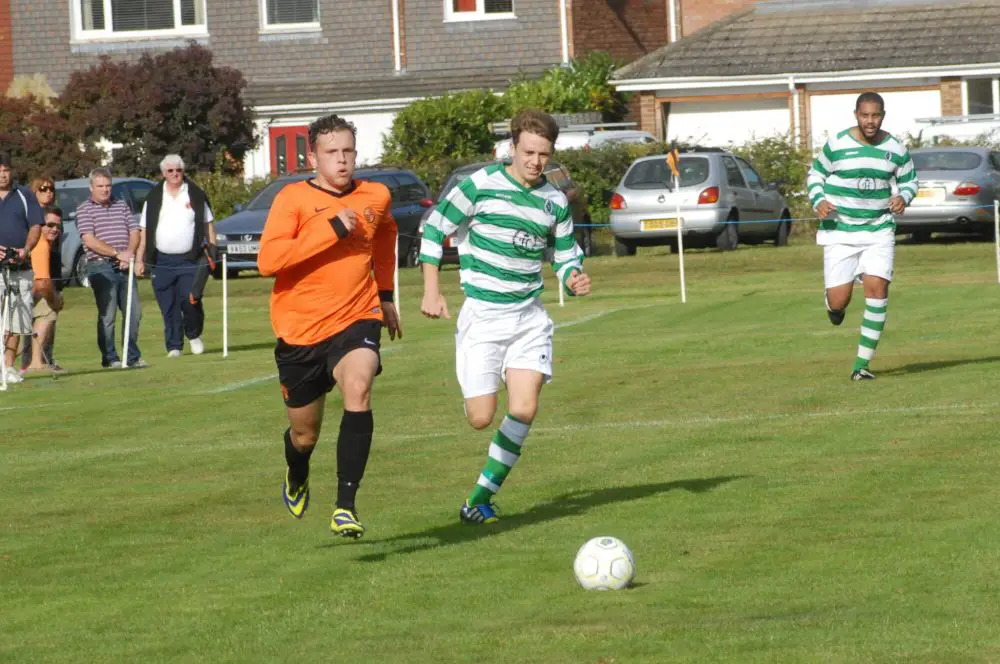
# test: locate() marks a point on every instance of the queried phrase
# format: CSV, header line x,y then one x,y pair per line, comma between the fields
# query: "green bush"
x,y
225,191
781,160
580,86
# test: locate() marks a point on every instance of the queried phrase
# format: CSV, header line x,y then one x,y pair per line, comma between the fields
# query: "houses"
x,y
363,59
796,67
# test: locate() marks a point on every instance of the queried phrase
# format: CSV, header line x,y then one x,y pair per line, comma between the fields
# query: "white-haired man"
x,y
176,228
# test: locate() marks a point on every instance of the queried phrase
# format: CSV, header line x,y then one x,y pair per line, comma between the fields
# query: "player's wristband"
x,y
339,228
386,296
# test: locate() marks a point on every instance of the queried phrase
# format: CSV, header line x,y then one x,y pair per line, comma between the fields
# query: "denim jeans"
x,y
111,292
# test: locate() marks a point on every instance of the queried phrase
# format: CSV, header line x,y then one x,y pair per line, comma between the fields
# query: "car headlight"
x,y
219,237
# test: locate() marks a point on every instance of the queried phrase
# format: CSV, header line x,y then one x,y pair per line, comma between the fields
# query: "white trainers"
x,y
197,347
174,353
13,375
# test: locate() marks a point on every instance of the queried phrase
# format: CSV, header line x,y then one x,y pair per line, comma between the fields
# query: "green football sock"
x,y
871,330
505,450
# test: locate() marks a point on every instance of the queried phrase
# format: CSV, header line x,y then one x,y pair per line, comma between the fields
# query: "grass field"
x,y
777,511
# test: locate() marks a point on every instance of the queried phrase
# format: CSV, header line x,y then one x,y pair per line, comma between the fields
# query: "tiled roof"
x,y
823,36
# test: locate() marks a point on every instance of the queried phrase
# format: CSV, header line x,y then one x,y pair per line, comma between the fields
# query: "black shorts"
x,y
306,372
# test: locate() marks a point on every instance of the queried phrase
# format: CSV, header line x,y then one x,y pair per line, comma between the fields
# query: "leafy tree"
x,y
174,102
41,141
580,86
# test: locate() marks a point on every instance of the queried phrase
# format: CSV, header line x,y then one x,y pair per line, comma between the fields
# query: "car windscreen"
x,y
656,174
265,197
947,161
69,199
455,178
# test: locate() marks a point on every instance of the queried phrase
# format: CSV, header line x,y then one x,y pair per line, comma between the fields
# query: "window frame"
x,y
745,170
452,16
995,88
79,34
726,161
265,27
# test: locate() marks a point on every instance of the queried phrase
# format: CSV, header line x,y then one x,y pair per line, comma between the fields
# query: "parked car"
x,y
585,140
69,195
957,190
717,189
239,234
557,175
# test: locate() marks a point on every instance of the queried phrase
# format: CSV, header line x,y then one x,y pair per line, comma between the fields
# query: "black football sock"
x,y
298,463
353,446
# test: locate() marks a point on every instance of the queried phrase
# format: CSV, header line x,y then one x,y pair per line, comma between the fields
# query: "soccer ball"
x,y
604,563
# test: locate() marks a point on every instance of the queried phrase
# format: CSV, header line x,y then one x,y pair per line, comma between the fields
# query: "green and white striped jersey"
x,y
502,232
857,179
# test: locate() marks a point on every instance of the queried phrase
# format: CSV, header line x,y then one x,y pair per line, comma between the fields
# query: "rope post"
x,y
128,311
996,234
225,307
4,327
680,237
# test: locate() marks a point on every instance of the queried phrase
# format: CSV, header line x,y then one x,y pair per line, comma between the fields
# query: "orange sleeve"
x,y
384,255
287,240
40,261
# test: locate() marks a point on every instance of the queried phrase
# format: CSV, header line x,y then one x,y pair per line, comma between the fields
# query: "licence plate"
x,y
932,195
251,248
658,224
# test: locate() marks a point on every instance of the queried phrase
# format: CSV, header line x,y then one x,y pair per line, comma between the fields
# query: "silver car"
x,y
723,201
957,189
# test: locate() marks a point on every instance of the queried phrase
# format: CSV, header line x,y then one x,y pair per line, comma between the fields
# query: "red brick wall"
x,y
6,47
697,14
627,29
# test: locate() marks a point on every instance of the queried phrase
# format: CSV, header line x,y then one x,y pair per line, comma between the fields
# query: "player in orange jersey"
x,y
323,239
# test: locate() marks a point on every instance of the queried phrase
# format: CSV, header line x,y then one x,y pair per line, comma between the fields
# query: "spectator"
x,y
111,236
176,226
45,191
20,228
46,263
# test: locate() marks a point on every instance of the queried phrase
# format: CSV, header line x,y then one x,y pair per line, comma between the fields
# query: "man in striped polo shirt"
x,y
860,180
110,235
504,215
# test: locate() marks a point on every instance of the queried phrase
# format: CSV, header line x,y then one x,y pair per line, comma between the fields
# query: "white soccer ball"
x,y
604,563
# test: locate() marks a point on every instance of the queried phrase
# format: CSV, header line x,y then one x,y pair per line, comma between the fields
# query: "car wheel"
x,y
729,238
412,257
79,275
781,238
624,248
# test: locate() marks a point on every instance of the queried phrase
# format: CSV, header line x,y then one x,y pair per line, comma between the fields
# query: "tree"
x,y
175,102
41,141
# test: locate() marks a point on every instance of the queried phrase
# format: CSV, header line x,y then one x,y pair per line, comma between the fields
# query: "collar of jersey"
x,y
350,190
541,183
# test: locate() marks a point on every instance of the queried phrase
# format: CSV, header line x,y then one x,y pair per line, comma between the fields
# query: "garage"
x,y
832,113
719,123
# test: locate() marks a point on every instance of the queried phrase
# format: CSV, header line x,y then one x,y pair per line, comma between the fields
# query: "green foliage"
x,y
987,139
43,142
598,172
781,160
580,86
225,191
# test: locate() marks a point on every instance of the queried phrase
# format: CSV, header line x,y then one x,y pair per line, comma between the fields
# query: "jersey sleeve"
x,y
821,169
288,240
906,177
40,261
384,257
567,257
452,212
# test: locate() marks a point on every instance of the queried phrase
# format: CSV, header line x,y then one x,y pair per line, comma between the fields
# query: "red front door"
x,y
288,149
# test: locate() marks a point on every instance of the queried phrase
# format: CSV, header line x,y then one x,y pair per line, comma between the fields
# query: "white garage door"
x,y
371,127
719,123
831,114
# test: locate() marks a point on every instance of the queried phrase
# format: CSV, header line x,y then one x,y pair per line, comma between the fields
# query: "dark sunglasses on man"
x,y
47,188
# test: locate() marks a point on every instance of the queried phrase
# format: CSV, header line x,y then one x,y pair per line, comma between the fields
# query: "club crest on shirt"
x,y
548,207
888,156
866,184
369,215
526,242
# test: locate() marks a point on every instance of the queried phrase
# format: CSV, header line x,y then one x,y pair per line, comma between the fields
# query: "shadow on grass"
x,y
256,346
920,367
569,504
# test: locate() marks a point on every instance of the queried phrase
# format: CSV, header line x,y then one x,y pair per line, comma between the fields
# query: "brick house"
x,y
364,59
787,66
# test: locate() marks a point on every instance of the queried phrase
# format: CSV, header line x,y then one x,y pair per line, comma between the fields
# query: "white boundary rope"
x,y
128,311
225,308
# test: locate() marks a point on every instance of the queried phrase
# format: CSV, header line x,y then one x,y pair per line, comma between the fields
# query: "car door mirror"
x,y
772,186
238,207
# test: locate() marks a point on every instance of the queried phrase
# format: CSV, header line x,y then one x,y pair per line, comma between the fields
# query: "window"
x,y
656,174
140,192
473,10
995,160
946,161
979,96
279,148
96,19
289,14
410,189
300,152
733,176
750,174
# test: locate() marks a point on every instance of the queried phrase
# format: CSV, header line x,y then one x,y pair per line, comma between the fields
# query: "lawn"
x,y
777,511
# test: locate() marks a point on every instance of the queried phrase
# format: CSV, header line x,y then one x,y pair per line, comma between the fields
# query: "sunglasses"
x,y
46,188
53,225
175,170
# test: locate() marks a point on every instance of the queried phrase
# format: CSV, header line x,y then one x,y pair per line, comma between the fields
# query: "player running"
x,y
322,238
504,216
851,187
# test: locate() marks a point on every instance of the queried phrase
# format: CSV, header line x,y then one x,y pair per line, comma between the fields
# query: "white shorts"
x,y
842,263
21,301
490,340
